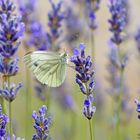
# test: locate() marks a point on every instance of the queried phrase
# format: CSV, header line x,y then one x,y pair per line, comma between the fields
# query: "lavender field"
x,y
69,70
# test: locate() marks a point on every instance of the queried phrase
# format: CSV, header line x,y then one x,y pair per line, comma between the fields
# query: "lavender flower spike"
x,y
41,124
3,121
91,8
118,20
89,110
85,79
95,4
138,107
38,37
84,72
11,29
10,93
55,17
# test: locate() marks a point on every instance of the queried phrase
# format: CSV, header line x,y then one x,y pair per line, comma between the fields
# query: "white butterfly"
x,y
48,67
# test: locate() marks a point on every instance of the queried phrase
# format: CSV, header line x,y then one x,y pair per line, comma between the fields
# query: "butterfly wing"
x,y
48,67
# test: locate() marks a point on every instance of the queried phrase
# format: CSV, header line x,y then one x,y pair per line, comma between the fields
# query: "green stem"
x,y
118,128
93,60
92,46
44,92
10,110
120,101
48,97
120,96
90,122
10,117
3,104
28,104
94,120
112,129
73,125
90,130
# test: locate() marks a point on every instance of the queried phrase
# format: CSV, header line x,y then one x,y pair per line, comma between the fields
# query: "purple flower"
x,y
11,29
55,18
84,78
64,97
67,101
95,4
137,39
8,67
7,6
30,18
73,26
118,88
118,20
138,107
89,110
91,8
27,9
42,124
14,138
3,121
84,72
38,37
9,93
28,6
115,65
92,20
40,91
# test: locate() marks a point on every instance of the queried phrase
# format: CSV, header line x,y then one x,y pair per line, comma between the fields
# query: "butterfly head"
x,y
64,56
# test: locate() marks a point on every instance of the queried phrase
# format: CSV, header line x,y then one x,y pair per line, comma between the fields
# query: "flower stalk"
x,y
11,29
90,130
118,22
10,117
84,78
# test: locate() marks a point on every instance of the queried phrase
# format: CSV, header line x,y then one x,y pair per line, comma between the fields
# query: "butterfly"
x,y
48,67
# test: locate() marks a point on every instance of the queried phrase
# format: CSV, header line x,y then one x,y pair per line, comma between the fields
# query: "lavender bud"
x,y
89,110
42,124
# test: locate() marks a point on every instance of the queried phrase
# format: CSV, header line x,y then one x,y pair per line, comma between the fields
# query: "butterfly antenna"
x,y
28,53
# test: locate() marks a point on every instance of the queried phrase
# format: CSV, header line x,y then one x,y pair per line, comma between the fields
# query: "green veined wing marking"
x,y
48,67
